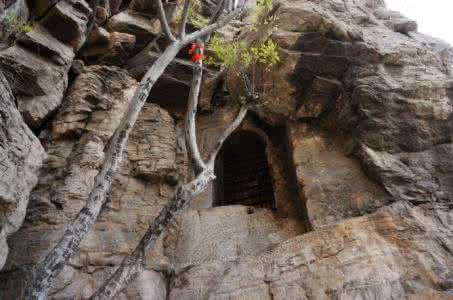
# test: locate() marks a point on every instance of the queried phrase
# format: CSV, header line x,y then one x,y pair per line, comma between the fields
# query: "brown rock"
x,y
152,150
67,20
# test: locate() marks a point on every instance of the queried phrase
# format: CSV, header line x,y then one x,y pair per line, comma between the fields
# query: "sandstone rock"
x,y
152,152
321,97
144,29
97,93
37,84
67,20
172,88
363,258
104,47
39,8
41,42
150,10
21,156
75,144
37,65
357,135
392,92
332,183
226,234
396,21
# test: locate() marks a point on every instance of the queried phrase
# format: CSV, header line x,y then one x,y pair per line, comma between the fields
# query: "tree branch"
x,y
213,27
164,21
218,12
133,264
185,16
233,126
47,271
190,134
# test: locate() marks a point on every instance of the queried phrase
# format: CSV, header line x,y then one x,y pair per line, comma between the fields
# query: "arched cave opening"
x,y
243,174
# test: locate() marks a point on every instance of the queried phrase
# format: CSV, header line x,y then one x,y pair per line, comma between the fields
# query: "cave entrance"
x,y
243,175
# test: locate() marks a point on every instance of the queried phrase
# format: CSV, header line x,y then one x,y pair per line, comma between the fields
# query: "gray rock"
x,y
38,84
21,157
67,21
144,29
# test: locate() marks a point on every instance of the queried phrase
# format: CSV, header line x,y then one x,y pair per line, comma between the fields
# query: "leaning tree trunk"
x,y
55,260
46,272
133,264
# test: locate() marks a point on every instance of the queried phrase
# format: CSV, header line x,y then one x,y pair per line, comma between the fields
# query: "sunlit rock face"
x,y
355,136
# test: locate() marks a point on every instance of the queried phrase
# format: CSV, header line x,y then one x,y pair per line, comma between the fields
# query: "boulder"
x,y
21,157
37,83
144,29
381,256
67,21
75,142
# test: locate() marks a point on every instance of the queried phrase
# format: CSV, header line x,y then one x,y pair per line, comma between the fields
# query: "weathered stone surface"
x,y
38,64
75,144
39,8
396,21
388,93
320,98
332,182
108,48
21,156
357,130
40,41
144,29
67,20
37,84
399,252
226,233
153,151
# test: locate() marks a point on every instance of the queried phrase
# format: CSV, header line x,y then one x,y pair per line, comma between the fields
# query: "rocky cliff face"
x,y
357,134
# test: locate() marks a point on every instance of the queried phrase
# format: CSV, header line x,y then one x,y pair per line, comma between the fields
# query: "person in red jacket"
x,y
197,51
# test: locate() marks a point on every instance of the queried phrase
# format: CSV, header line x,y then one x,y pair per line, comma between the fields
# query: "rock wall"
x,y
21,156
357,127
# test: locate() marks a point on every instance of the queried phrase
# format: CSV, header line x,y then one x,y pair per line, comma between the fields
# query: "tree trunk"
x,y
132,265
46,272
69,243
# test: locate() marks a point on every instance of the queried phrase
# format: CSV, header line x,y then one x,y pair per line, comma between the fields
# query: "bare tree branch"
x,y
185,16
241,115
52,265
190,134
133,264
164,21
45,273
218,12
213,27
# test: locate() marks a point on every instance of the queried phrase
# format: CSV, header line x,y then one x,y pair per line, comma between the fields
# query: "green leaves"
x,y
16,25
237,56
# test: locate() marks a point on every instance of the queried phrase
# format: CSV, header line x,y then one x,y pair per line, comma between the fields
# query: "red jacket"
x,y
197,52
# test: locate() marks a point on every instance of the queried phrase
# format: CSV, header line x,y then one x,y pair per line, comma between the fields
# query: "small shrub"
x,y
249,65
13,26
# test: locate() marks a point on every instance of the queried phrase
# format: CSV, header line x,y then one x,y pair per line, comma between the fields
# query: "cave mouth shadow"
x,y
243,173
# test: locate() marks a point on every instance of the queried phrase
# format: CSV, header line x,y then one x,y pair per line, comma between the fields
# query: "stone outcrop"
x,y
356,130
38,63
21,156
75,143
398,252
